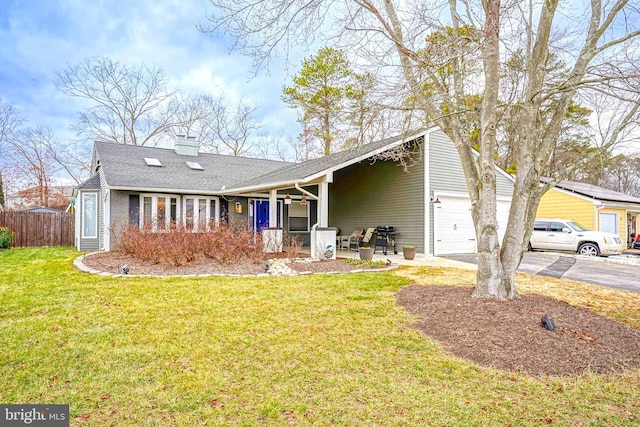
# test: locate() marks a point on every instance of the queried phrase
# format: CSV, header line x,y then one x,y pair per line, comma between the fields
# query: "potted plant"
x,y
409,252
366,253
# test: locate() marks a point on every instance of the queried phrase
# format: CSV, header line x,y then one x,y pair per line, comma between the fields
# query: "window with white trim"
x,y
158,211
90,215
200,212
298,216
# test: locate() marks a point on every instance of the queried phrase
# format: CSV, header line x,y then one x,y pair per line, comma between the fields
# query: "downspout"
x,y
305,192
596,217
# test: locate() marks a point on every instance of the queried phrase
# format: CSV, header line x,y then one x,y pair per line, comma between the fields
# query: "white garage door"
x,y
454,232
609,222
453,224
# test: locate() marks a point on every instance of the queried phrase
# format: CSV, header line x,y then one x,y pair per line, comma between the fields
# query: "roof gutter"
x,y
165,190
270,186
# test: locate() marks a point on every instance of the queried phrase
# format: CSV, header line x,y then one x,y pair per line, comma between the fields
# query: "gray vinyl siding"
x,y
367,195
119,213
120,207
88,245
445,168
103,230
446,173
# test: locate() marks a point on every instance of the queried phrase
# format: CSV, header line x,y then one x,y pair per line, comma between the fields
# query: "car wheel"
x,y
589,249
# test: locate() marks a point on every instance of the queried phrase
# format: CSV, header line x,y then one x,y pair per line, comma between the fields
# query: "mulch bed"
x,y
112,262
508,335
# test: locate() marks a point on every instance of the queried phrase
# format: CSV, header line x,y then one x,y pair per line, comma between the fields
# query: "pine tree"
x,y
321,90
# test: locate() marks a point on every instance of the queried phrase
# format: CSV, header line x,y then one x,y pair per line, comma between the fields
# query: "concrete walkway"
x,y
599,271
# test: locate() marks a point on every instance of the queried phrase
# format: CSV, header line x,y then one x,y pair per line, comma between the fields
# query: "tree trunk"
x,y
493,281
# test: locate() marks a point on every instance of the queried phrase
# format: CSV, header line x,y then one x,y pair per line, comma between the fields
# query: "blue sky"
x,y
40,37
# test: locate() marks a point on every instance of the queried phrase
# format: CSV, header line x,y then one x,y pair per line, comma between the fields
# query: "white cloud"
x,y
43,36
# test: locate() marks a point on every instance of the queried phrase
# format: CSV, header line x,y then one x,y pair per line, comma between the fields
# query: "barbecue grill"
x,y
385,238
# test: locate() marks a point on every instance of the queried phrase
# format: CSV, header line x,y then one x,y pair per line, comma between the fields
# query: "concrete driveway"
x,y
599,271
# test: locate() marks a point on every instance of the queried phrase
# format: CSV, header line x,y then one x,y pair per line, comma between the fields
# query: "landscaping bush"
x,y
141,243
291,245
231,244
6,238
179,246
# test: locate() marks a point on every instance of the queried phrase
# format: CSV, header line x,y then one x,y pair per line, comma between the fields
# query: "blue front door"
x,y
261,214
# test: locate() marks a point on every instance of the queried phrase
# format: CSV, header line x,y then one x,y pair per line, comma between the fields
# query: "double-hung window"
x,y
200,212
158,211
90,215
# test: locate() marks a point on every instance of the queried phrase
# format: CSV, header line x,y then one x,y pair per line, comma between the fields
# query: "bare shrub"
x,y
178,246
291,245
174,245
141,243
231,244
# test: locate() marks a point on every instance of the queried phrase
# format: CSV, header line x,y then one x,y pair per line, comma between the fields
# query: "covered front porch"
x,y
300,211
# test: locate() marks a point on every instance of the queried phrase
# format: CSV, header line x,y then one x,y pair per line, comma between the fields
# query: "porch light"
x,y
304,200
238,208
287,200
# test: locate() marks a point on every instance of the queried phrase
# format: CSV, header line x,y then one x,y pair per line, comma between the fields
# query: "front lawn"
x,y
303,350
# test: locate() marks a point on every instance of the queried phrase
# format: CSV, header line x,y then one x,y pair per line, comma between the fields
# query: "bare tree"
x,y
275,147
125,104
233,126
31,161
394,34
10,120
368,118
623,174
219,125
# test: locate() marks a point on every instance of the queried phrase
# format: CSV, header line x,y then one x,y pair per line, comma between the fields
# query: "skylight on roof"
x,y
152,161
195,166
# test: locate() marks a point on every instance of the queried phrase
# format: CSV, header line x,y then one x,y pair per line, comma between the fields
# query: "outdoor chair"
x,y
352,240
368,236
342,242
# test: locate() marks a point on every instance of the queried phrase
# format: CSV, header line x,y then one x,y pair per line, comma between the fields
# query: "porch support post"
x,y
323,204
273,209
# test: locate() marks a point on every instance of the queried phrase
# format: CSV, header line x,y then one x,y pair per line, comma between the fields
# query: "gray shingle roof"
x,y
124,167
92,183
300,171
596,192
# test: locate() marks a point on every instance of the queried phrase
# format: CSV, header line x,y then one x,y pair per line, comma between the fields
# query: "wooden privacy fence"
x,y
39,228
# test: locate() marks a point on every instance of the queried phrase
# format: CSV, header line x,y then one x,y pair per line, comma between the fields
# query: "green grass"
x,y
307,350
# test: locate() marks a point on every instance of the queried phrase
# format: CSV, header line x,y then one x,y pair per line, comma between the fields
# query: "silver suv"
x,y
566,235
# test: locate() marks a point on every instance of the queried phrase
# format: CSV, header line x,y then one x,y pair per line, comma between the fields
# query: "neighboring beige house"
x,y
59,198
594,207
